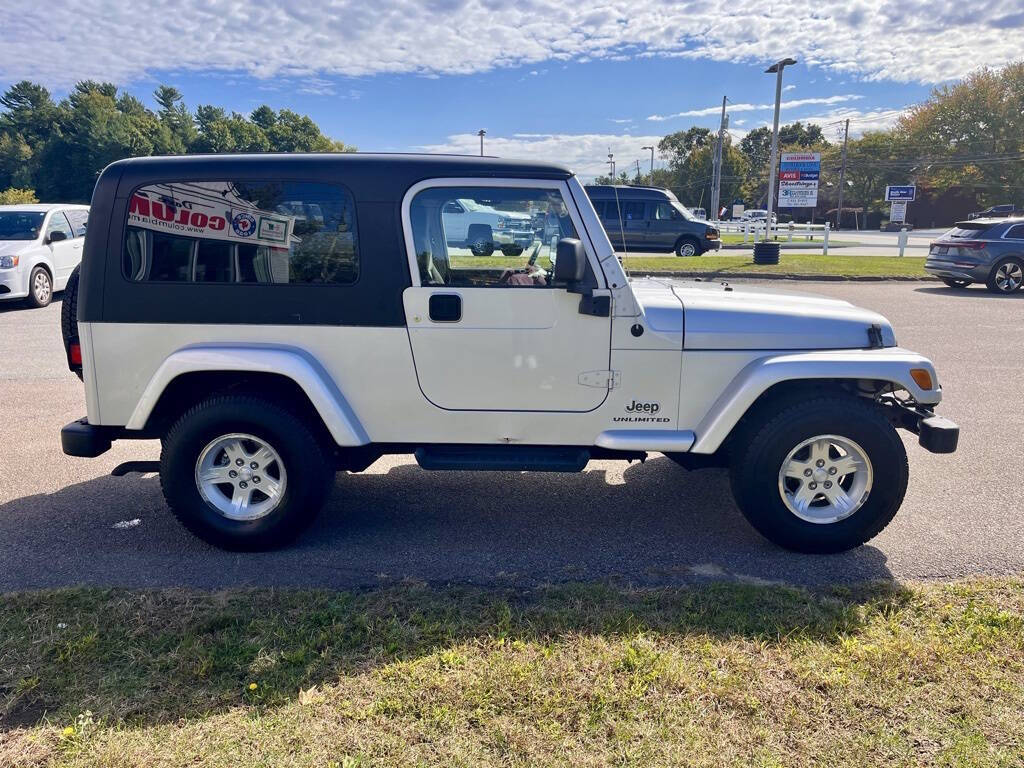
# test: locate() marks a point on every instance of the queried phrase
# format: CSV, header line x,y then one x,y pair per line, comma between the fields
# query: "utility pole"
x,y
842,174
481,133
652,159
637,169
716,166
611,164
775,69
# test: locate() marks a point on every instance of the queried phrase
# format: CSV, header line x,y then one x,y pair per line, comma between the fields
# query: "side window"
x,y
284,232
632,211
1016,232
665,212
79,221
599,208
58,223
505,236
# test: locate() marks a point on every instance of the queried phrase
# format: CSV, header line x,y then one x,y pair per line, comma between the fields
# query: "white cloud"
x,y
120,40
587,154
791,104
787,88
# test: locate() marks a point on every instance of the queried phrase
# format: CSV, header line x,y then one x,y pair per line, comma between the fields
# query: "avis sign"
x,y
798,179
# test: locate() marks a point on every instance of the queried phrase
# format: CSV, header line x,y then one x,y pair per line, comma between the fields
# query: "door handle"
x,y
445,307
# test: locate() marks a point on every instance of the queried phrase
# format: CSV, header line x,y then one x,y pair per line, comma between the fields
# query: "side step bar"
x,y
503,458
143,467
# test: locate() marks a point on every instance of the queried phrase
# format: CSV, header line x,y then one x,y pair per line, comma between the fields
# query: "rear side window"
x,y
79,220
632,211
1016,232
275,232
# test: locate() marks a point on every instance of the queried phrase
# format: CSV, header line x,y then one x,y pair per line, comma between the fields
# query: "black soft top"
x,y
369,176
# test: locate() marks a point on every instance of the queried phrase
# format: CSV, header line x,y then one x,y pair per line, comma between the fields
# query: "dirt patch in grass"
x,y
710,675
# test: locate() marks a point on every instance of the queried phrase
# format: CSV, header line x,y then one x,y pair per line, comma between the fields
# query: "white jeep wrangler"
x,y
267,350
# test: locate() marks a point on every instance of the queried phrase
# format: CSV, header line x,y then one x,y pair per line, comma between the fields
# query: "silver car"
x,y
40,246
989,251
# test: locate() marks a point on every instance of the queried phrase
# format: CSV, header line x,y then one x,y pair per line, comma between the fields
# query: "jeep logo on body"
x,y
638,407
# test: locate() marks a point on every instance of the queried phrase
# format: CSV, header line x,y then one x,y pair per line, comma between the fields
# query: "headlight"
x,y
6,262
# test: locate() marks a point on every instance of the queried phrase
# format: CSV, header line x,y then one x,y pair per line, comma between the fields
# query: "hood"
x,y
721,316
10,247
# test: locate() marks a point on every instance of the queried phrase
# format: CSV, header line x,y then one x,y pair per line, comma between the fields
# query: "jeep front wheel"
x,y
243,473
821,476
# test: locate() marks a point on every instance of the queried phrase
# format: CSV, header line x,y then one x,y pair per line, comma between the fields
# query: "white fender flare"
x,y
291,362
892,364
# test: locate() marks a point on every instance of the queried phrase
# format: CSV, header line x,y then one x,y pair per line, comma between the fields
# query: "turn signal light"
x,y
922,378
75,354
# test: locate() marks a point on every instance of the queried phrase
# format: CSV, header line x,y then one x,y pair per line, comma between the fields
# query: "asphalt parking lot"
x,y
65,521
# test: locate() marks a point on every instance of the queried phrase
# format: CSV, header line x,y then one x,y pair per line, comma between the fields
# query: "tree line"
x,y
54,150
965,143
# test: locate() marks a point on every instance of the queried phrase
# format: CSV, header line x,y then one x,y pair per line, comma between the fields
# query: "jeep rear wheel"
x,y
821,476
243,473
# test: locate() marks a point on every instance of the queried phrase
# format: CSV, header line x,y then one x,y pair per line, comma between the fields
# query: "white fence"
x,y
752,230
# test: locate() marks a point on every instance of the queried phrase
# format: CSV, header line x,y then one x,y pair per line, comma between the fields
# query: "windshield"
x,y
686,212
20,225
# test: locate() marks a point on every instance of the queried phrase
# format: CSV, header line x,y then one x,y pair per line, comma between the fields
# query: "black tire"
x,y
43,297
480,239
1015,268
955,283
309,473
687,246
69,313
758,457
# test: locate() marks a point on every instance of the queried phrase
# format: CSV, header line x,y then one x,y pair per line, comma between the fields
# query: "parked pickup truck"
x,y
268,350
483,228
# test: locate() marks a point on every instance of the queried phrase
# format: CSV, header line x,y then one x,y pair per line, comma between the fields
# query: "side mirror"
x,y
570,261
56,236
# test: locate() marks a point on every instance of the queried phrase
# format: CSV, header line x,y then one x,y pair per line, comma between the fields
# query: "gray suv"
x,y
989,251
651,219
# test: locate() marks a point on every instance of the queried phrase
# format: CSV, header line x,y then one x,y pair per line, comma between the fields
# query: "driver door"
x,y
496,333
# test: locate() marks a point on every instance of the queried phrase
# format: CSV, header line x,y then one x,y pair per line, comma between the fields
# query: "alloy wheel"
x,y
241,476
825,479
1009,276
41,288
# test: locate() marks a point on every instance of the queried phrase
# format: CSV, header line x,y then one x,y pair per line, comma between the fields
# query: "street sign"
x,y
898,211
798,179
905,192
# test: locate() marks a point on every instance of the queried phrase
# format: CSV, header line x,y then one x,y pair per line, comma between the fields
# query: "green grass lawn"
x,y
801,264
804,264
585,675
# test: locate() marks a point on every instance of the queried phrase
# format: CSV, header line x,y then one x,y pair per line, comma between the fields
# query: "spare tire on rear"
x,y
69,318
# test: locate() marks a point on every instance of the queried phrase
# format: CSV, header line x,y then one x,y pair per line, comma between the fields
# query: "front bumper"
x,y
711,245
934,433
12,284
80,438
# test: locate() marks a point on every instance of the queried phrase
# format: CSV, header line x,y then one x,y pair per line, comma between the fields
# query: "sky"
x,y
546,79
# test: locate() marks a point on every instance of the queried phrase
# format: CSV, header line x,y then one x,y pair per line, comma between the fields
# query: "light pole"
x,y
775,69
652,159
481,133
